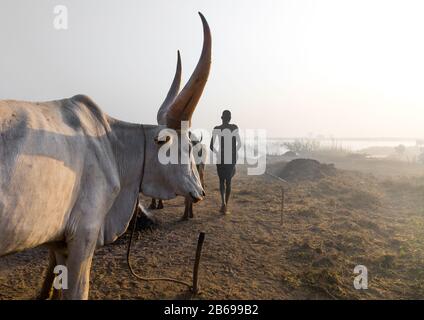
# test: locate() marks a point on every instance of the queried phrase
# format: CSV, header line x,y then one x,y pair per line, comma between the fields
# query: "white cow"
x,y
70,174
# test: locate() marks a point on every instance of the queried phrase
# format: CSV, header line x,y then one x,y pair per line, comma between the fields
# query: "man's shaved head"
x,y
226,116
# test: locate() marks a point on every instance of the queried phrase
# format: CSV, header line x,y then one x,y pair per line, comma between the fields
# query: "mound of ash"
x,y
306,169
290,154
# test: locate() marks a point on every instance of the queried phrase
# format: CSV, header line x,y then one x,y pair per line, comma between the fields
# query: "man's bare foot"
x,y
223,209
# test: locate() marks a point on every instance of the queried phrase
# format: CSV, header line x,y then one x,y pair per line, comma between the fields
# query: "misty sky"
x,y
339,67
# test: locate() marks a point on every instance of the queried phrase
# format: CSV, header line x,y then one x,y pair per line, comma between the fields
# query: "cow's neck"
x,y
128,147
128,143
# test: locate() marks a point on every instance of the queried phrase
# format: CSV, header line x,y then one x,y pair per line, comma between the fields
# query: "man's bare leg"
x,y
222,190
227,194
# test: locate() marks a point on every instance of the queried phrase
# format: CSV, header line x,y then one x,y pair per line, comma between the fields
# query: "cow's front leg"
x,y
190,209
186,209
84,225
152,204
160,204
80,255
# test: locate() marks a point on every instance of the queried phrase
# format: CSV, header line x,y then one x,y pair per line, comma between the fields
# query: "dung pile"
x,y
306,169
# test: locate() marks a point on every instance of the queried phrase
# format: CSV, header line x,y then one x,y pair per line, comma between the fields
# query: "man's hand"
x,y
211,146
238,140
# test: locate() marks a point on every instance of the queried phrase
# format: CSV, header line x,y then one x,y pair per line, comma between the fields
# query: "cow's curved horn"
x,y
172,93
182,108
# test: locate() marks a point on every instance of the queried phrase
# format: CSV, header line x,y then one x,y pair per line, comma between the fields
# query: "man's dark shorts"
x,y
226,171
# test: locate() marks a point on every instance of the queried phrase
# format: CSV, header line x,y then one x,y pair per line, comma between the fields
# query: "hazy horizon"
x,y
295,68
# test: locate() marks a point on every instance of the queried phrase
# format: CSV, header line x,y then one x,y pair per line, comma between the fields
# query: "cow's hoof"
x,y
160,206
152,206
184,218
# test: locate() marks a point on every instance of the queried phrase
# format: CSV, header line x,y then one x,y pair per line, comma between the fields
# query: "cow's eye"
x,y
162,141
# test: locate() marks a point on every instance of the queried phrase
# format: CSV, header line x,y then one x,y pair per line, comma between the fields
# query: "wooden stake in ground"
x,y
285,184
195,287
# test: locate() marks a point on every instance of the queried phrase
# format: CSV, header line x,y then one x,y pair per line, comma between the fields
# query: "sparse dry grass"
x,y
329,226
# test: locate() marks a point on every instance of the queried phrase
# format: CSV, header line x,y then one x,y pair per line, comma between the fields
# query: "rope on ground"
x,y
194,288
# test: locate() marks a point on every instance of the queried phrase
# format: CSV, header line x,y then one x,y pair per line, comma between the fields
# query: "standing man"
x,y
229,145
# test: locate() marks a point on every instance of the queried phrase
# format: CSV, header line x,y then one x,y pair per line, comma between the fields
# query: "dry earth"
x,y
330,225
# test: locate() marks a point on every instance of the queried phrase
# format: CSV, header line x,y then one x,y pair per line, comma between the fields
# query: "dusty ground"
x,y
329,226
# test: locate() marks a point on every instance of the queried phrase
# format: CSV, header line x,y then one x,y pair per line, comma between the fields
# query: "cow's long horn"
x,y
183,106
172,93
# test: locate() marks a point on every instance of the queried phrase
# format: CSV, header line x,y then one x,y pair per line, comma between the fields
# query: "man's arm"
x,y
238,140
211,146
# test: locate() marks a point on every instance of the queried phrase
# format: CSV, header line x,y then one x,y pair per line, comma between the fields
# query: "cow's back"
x,y
44,150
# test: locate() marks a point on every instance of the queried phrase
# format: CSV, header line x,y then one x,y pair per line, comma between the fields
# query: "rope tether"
x,y
194,288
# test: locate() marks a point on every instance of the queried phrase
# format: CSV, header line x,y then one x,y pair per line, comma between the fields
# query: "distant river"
x,y
276,146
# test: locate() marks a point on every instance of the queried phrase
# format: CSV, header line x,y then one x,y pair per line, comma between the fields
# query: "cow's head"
x,y
165,181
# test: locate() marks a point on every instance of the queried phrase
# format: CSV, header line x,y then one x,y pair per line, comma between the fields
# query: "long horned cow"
x,y
70,175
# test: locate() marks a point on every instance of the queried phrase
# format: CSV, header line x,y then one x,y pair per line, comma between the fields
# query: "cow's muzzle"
x,y
198,198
